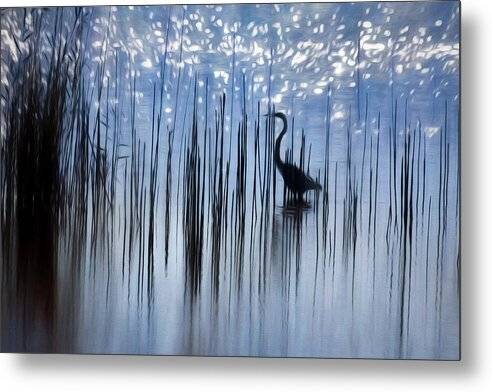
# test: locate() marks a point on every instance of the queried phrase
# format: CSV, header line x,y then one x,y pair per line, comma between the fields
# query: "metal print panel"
x,y
237,180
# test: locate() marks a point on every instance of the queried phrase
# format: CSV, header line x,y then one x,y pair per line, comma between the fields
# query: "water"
x,y
179,238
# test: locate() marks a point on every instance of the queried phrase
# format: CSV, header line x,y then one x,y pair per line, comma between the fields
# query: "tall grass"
x,y
88,201
40,120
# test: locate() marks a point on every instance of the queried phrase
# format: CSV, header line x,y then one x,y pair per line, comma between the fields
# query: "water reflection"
x,y
143,211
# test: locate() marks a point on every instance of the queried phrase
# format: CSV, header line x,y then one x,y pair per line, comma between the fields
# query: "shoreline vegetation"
x,y
92,208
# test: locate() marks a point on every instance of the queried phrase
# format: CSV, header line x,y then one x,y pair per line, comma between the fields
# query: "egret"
x,y
294,178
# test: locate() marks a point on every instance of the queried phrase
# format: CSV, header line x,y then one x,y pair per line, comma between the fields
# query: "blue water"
x,y
380,75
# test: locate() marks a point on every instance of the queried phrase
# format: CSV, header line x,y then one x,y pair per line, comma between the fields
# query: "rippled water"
x,y
181,239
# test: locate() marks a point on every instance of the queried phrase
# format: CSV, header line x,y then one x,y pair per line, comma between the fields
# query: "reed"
x,y
91,195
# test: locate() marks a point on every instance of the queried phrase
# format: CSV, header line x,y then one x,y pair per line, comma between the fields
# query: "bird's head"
x,y
276,114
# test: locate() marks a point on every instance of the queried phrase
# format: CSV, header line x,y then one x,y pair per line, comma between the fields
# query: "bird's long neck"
x,y
278,160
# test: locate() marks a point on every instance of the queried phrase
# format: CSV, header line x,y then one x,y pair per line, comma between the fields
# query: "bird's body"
x,y
294,178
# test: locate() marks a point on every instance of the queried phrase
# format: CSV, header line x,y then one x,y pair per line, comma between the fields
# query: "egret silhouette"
x,y
294,178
